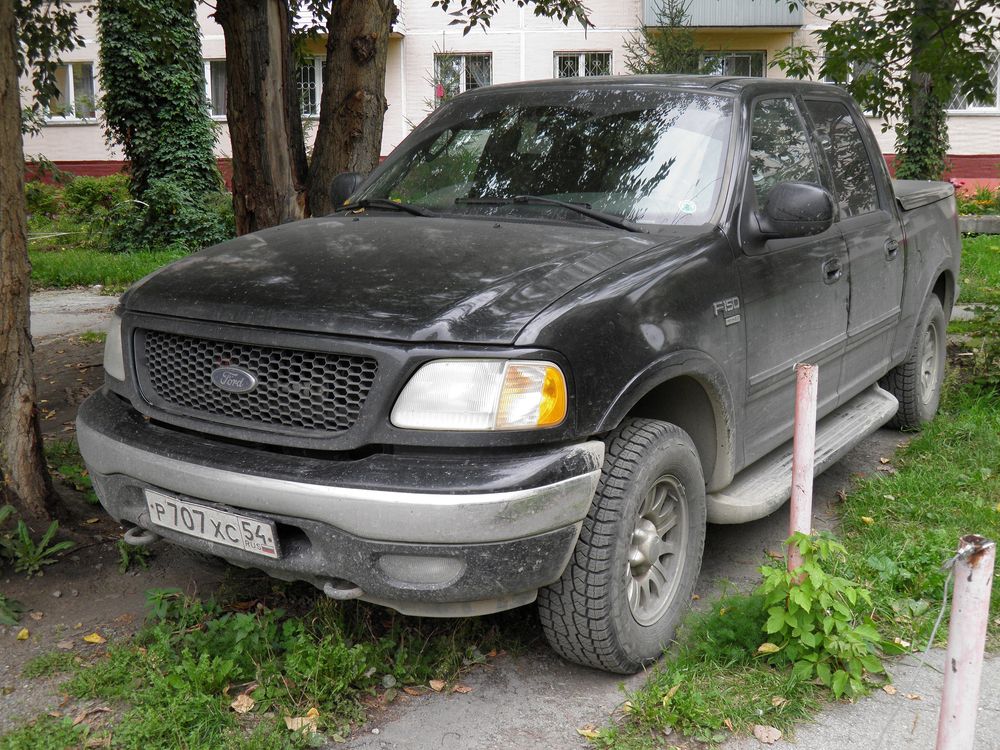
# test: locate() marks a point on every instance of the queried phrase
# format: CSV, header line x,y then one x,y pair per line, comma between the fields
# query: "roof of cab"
x,y
730,84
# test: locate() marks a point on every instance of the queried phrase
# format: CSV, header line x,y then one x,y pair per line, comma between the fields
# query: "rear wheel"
x,y
635,565
916,382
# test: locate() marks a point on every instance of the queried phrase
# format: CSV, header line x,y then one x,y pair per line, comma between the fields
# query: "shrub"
x,y
172,216
90,198
42,198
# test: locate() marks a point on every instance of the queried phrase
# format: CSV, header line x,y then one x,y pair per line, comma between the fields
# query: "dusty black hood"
x,y
393,277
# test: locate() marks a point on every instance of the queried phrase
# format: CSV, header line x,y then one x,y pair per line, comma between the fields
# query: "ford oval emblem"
x,y
234,380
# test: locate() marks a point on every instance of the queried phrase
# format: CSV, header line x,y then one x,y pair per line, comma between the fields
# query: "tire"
x,y
607,611
916,382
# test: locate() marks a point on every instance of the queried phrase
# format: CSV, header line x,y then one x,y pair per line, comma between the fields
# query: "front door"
x,y
795,291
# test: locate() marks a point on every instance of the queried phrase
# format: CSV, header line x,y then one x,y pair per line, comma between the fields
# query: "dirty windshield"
x,y
649,155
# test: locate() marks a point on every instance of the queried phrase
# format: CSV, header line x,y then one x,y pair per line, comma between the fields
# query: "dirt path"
x,y
533,700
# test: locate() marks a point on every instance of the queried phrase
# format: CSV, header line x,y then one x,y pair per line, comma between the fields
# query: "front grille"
x,y
297,391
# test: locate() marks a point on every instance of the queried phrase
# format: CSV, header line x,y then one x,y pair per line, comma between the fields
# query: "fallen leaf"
x,y
627,707
774,555
883,460
82,716
778,701
491,654
671,693
437,685
416,692
66,645
55,714
94,638
461,689
868,520
36,616
243,704
22,634
767,735
306,724
914,697
888,497
768,648
842,496
695,597
390,695
729,725
889,689
588,731
900,642
92,520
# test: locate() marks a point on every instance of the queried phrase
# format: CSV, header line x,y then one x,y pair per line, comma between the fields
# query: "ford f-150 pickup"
x,y
539,348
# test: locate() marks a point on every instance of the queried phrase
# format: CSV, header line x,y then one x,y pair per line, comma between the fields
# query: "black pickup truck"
x,y
536,351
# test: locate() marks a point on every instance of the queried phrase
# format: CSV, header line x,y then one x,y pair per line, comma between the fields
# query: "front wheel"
x,y
916,382
630,579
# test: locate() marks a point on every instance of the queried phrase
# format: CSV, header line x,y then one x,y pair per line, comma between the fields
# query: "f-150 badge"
x,y
728,308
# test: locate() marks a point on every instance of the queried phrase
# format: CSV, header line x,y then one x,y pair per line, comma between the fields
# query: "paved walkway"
x,y
69,312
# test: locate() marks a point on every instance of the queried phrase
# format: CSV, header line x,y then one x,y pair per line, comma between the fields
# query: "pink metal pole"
x,y
970,611
803,455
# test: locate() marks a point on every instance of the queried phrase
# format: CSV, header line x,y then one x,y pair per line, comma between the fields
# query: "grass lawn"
x,y
62,269
980,273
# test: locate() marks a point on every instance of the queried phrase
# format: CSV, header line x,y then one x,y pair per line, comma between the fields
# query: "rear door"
x,y
795,291
874,243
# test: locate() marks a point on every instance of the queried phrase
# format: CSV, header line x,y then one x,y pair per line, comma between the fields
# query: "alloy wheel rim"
x,y
656,550
929,363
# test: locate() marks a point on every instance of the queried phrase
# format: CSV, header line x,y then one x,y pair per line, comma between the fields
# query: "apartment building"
x,y
430,60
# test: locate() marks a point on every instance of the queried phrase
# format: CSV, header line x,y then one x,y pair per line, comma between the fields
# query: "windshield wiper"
x,y
581,208
386,203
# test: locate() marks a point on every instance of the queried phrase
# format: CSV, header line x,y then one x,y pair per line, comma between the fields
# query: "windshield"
x,y
650,156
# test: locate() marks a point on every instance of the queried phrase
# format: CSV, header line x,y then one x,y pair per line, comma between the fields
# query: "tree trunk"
x,y
349,136
262,103
24,480
922,136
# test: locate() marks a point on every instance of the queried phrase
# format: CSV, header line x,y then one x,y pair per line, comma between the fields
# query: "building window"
x,y
215,85
962,103
76,99
573,64
454,74
724,63
309,76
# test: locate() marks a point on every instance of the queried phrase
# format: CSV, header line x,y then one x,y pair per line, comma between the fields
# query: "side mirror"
x,y
344,185
796,209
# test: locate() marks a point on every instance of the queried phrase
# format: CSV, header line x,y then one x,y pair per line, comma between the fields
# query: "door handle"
x,y
832,270
891,249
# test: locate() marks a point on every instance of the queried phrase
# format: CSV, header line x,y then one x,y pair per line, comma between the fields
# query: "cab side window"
x,y
840,139
779,147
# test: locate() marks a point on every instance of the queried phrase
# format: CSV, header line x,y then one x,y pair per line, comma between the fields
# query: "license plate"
x,y
231,529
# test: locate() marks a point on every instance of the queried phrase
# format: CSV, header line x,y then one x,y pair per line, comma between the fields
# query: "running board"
x,y
762,488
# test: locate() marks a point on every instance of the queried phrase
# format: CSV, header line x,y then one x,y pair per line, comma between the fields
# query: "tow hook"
x,y
342,590
140,537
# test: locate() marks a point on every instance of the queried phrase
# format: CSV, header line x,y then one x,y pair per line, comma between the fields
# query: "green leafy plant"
x,y
27,555
131,557
818,620
10,611
64,459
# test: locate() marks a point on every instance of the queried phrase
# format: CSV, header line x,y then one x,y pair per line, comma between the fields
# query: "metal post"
x,y
803,455
970,611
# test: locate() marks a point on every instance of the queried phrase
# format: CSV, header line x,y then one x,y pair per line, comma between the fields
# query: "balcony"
x,y
732,13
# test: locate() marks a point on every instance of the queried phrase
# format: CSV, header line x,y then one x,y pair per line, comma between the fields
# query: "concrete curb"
x,y
979,224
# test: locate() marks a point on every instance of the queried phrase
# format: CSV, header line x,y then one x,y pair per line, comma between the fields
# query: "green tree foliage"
x,y
904,61
44,29
154,102
668,47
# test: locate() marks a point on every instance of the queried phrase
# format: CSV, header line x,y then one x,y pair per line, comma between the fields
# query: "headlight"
x,y
114,360
482,394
